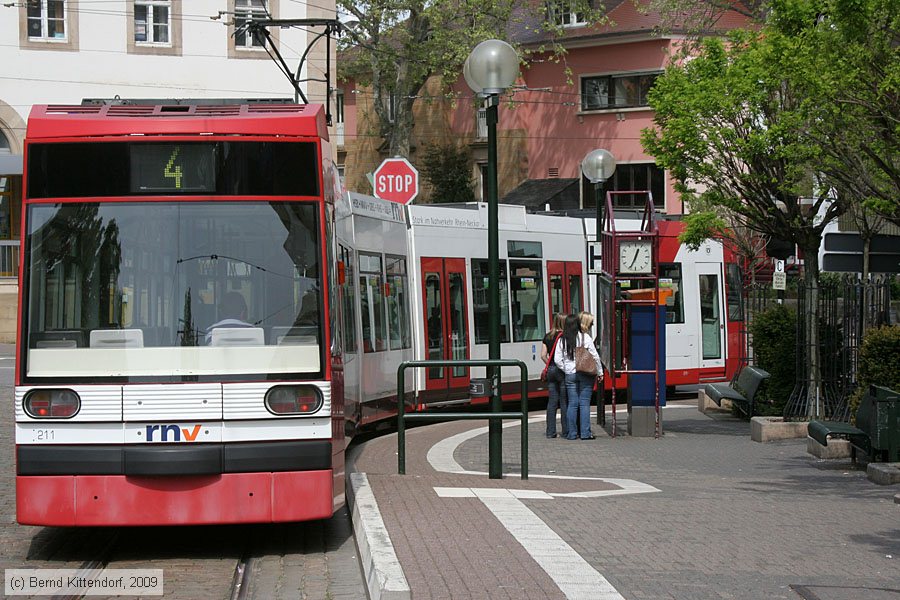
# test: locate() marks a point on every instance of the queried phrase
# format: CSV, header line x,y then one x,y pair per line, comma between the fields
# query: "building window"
x,y
562,12
640,177
151,21
483,181
616,91
47,20
391,106
481,128
339,106
244,12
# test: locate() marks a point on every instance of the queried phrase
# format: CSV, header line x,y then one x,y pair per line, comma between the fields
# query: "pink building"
x,y
547,126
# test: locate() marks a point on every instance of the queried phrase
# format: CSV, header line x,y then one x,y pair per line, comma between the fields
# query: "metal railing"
x,y
493,458
9,258
481,128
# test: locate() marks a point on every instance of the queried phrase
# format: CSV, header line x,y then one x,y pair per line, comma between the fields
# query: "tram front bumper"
x,y
95,500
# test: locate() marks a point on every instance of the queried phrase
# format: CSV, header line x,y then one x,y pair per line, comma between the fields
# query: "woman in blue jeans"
x,y
579,386
556,382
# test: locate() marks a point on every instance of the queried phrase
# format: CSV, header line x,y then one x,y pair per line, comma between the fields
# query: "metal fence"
x,y
848,308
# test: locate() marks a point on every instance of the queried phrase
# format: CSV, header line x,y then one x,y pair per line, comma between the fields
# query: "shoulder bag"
x,y
584,362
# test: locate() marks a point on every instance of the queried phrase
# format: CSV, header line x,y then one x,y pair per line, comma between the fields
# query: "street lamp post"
x,y
598,166
491,67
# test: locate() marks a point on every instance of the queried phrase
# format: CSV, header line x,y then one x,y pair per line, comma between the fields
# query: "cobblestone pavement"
x,y
316,560
732,519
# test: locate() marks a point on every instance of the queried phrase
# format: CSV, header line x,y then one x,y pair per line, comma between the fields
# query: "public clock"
x,y
636,257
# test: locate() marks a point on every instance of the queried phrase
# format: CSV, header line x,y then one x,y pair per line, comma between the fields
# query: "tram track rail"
x,y
243,573
93,566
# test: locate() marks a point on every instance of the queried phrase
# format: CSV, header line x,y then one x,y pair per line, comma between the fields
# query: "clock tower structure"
x,y
629,325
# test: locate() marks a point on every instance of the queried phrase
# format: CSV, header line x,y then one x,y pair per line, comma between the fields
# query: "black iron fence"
x,y
848,308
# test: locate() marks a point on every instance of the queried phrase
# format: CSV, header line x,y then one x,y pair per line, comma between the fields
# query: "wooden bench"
x,y
877,430
743,393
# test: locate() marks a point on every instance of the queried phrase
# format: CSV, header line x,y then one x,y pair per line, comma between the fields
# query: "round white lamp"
x,y
492,67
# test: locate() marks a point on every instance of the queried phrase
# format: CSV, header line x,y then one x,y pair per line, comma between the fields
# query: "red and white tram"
x,y
144,227
441,251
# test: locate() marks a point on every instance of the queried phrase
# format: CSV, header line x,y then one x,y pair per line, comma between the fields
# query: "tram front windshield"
x,y
183,291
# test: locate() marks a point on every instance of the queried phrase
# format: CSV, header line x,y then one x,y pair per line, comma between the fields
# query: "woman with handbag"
x,y
576,356
556,381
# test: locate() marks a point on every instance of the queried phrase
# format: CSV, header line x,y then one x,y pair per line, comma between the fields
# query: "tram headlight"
x,y
51,404
293,400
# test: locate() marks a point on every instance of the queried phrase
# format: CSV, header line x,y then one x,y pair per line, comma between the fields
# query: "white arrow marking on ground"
x,y
575,577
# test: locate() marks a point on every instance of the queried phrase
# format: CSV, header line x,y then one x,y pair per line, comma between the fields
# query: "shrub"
x,y
879,362
774,334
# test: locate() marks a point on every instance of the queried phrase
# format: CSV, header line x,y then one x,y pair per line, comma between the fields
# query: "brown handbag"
x,y
584,362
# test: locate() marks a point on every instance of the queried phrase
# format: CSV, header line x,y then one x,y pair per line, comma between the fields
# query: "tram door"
x,y
712,316
445,317
565,288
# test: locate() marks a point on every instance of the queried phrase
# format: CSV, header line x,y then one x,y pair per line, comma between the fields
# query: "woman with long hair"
x,y
579,385
556,380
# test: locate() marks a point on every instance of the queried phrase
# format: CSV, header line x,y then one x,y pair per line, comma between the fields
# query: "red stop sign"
x,y
396,180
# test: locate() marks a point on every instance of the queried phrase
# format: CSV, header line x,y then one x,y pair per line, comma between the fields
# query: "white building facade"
x,y
64,51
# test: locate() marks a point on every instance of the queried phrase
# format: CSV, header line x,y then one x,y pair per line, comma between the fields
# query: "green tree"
x,y
852,84
730,125
397,45
448,169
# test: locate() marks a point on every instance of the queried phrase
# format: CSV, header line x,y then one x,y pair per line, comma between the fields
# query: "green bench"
x,y
877,430
744,391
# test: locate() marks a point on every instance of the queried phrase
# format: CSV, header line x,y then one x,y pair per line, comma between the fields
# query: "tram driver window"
x,y
671,273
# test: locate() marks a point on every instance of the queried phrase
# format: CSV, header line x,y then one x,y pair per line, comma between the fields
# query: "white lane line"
x,y
571,573
384,575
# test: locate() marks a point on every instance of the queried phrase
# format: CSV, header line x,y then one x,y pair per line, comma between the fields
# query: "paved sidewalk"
x,y
701,513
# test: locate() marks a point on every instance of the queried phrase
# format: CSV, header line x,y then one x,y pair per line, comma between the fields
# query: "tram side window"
x,y
734,281
397,303
527,288
675,304
480,312
348,295
371,292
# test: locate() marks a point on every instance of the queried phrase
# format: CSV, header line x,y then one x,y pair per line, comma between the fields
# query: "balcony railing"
x,y
9,259
481,124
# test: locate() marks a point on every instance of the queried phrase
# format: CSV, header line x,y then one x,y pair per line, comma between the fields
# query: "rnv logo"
x,y
178,434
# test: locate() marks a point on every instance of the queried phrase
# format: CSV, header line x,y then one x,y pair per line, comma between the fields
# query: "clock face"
x,y
635,256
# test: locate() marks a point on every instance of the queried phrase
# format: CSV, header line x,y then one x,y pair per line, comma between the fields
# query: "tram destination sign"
x,y
396,180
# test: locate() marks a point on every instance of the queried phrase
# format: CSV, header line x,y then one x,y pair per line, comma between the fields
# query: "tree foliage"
x,y
398,44
853,89
730,129
448,169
